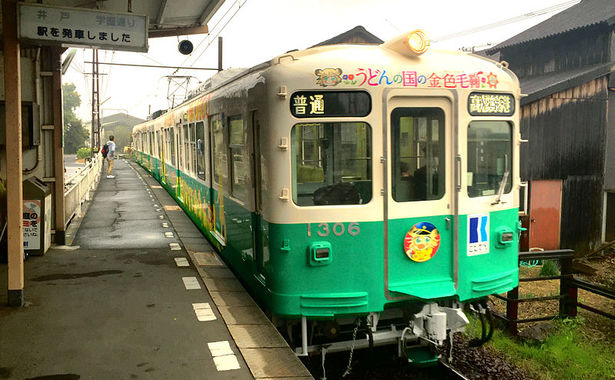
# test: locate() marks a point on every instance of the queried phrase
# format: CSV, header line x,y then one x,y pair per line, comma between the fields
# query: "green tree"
x,y
75,135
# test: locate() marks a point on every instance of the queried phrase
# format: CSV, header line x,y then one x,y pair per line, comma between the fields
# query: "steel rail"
x,y
454,372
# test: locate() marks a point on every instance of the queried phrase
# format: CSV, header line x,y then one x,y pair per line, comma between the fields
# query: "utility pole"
x,y
95,129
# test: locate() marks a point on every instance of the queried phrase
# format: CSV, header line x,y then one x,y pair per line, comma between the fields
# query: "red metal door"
x,y
545,214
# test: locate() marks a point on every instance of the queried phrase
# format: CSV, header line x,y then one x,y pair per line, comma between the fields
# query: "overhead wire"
x,y
213,28
240,5
511,20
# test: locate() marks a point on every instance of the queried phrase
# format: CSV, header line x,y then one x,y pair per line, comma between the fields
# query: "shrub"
x,y
549,268
83,153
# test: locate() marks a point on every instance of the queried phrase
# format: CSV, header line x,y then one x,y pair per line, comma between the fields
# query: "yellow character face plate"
x,y
422,242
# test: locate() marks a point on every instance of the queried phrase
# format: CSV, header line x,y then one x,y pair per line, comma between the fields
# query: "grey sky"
x,y
262,29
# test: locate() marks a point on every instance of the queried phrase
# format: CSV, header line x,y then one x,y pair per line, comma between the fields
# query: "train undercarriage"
x,y
419,331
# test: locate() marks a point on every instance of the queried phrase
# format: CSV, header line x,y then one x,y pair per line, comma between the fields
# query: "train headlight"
x,y
505,237
321,253
418,42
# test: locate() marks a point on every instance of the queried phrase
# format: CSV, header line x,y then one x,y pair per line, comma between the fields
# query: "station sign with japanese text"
x,y
82,27
309,104
31,224
484,104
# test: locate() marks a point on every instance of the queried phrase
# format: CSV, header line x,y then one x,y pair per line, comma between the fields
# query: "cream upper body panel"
x,y
378,70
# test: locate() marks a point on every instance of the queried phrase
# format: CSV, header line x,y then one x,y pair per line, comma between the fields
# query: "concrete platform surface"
x,y
119,306
140,293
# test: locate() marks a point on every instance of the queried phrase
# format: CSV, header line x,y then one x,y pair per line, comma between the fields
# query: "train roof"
x,y
391,55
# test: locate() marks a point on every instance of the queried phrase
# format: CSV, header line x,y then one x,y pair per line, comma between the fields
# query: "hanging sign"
x,y
52,25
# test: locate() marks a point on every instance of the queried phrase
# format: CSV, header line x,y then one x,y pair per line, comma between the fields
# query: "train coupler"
x,y
433,322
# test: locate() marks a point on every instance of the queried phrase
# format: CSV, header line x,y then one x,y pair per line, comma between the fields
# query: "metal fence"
x,y
77,189
568,293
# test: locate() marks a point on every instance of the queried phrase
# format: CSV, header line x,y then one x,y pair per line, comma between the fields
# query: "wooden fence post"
x,y
512,310
569,293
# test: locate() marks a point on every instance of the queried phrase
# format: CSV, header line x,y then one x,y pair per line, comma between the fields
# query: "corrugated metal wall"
x,y
588,46
567,141
609,170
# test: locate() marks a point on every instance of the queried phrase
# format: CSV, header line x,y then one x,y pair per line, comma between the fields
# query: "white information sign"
x,y
478,234
83,27
31,224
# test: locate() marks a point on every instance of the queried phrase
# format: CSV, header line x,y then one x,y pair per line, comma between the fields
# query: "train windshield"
x,y
489,157
418,154
332,163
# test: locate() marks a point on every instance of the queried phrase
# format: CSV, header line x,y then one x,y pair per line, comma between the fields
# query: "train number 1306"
x,y
338,229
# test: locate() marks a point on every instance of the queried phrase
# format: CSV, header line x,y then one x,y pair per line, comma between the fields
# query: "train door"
x,y
257,218
201,152
420,199
218,176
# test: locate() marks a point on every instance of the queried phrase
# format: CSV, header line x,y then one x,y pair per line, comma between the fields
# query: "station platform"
x,y
138,293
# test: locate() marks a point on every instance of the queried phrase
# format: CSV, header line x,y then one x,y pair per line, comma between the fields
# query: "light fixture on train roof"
x,y
418,42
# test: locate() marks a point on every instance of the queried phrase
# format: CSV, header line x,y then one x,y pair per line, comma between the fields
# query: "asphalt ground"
x,y
118,306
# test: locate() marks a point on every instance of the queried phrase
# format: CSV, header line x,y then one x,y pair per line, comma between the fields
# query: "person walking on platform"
x,y
110,156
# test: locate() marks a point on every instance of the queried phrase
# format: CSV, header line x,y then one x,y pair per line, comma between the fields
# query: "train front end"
x,y
390,191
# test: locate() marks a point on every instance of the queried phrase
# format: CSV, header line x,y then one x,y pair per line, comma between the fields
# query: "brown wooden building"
x,y
566,66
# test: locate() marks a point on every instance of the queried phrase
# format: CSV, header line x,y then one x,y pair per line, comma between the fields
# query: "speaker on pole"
x,y
185,47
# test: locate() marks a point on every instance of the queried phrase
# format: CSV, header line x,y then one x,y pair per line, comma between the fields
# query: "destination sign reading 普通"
x,y
483,104
309,104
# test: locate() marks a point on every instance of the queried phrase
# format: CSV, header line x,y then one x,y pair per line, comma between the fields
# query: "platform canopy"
x,y
166,17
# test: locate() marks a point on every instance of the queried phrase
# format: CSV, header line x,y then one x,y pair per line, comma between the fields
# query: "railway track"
x,y
453,373
380,364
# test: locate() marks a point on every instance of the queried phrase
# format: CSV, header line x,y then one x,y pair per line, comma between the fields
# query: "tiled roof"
x,y
584,14
544,85
357,31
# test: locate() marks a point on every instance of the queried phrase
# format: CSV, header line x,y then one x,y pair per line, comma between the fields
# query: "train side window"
x,y
172,145
167,152
186,149
192,132
418,149
200,150
159,144
220,168
489,157
239,161
332,163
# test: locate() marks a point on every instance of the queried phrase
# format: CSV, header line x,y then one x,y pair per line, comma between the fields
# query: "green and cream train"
x,y
353,182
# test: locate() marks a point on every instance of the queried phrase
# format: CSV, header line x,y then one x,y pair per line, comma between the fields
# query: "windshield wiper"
x,y
498,198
